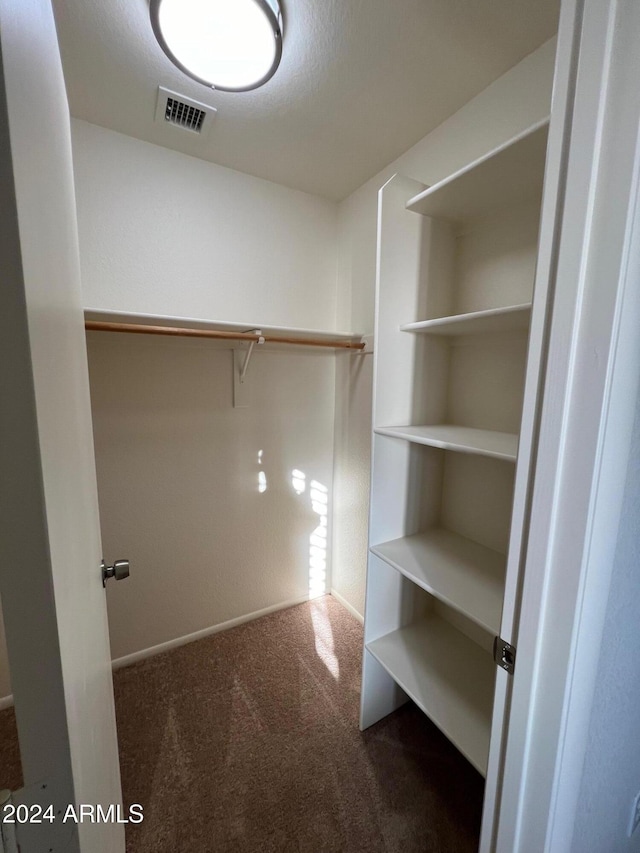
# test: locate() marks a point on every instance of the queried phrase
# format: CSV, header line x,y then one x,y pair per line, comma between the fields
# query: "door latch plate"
x,y
504,654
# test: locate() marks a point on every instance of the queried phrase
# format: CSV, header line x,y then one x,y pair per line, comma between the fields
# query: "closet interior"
x,y
246,467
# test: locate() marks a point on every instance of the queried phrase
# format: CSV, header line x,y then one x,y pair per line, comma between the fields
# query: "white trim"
x,y
587,413
501,806
347,606
135,657
143,654
619,212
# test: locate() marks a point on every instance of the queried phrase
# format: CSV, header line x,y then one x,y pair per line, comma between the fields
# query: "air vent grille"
x,y
183,115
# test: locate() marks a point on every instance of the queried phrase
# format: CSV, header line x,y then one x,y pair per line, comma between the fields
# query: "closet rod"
x,y
141,329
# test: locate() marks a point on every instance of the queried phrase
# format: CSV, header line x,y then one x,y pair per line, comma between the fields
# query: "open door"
x,y
50,575
578,428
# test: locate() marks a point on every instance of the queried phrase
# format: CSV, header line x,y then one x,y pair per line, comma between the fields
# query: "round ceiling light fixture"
x,y
231,45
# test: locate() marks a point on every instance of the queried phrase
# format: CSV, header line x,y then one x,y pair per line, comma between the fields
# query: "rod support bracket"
x,y
247,358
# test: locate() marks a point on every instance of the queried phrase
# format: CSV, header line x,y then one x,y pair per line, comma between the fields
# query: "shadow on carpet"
x,y
248,742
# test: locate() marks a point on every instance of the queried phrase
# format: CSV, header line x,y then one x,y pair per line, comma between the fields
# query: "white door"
x,y
541,318
576,431
50,578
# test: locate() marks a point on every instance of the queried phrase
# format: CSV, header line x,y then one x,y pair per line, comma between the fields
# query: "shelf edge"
x,y
443,444
461,319
490,629
109,315
415,200
482,769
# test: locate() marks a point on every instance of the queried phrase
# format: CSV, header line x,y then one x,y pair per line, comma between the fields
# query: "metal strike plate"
x,y
119,570
504,655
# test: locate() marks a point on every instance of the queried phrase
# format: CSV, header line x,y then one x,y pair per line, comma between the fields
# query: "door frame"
x,y
50,576
586,416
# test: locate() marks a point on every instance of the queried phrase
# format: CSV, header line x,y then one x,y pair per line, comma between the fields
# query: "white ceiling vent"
x,y
183,112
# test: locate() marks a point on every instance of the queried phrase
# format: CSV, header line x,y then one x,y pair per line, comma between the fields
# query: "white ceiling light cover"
x,y
232,45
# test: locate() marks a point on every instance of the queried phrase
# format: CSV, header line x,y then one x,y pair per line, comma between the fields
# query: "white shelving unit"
x,y
133,319
509,318
467,576
242,338
508,176
455,273
447,676
499,445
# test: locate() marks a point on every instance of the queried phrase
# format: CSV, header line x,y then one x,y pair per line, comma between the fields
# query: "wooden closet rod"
x,y
141,329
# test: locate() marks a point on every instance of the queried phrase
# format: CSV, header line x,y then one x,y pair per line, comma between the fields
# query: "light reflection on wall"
x,y
319,495
318,545
318,541
298,481
262,477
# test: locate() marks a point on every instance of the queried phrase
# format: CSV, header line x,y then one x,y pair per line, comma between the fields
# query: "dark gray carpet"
x,y
248,741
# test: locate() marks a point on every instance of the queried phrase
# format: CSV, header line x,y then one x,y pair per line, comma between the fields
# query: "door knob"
x,y
119,570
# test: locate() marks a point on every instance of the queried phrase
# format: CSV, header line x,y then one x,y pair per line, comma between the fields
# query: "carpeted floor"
x,y
248,741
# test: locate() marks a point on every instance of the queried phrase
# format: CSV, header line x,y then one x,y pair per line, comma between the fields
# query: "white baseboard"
x,y
135,657
347,606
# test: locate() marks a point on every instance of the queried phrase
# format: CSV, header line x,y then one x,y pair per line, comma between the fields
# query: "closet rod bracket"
x,y
247,358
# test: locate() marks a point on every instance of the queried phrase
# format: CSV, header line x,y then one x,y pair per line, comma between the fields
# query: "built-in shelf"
x,y
448,676
484,442
508,318
511,174
465,575
482,240
134,322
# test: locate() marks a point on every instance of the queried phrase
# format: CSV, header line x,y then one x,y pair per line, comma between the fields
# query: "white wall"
x,y
164,233
611,773
512,103
179,480
352,463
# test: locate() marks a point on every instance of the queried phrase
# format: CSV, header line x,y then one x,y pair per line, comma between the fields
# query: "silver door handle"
x,y
119,570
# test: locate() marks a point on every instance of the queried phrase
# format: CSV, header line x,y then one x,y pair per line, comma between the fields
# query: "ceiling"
x,y
359,83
